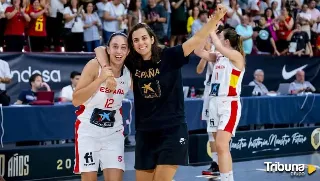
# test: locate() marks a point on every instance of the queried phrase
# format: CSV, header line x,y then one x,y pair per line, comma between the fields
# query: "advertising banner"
x,y
249,145
56,68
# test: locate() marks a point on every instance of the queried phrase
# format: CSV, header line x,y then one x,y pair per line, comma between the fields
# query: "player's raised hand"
x,y
107,75
220,12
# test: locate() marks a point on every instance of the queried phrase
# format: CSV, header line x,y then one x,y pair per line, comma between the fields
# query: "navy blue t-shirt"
x,y
158,90
27,96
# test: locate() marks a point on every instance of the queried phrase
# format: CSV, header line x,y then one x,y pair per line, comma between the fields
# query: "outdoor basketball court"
x,y
243,171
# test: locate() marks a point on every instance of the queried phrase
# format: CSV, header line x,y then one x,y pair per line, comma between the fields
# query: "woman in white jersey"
x,y
214,169
99,136
224,105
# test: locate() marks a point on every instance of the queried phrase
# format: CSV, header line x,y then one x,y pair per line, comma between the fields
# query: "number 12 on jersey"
x,y
109,103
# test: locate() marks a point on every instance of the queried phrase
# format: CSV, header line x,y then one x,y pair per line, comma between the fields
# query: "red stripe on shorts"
x,y
77,124
233,117
76,166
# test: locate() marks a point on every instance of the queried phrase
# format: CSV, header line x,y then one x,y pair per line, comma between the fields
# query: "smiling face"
x,y
118,49
142,42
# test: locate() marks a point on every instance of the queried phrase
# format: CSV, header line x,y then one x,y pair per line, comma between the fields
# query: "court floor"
x,y
243,171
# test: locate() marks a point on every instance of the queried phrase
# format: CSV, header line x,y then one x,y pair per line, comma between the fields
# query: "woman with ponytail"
x,y
224,103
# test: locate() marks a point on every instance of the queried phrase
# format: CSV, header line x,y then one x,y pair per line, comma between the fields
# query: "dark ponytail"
x,y
234,39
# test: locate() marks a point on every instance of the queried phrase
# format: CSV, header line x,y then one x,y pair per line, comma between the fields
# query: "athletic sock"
x,y
224,176
214,157
231,176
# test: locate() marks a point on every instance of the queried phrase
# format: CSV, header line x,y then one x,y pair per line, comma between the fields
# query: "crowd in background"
x,y
279,27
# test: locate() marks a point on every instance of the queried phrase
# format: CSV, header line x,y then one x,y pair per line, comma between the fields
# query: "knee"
x,y
222,147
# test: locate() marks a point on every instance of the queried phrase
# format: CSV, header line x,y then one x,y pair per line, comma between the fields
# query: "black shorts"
x,y
161,147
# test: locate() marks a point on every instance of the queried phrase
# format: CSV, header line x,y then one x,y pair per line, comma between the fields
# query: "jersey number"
x,y
39,24
109,103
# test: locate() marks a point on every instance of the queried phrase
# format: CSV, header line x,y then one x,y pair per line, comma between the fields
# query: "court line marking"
x,y
208,176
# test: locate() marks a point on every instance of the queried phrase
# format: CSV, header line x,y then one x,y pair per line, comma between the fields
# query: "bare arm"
x,y
204,54
36,15
5,80
88,84
69,17
200,67
11,14
26,17
232,55
177,5
203,33
107,17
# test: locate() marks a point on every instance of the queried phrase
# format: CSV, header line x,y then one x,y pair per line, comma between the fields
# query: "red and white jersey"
x,y
105,99
226,78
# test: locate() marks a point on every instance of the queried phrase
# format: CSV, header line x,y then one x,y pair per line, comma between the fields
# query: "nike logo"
x,y
158,61
287,75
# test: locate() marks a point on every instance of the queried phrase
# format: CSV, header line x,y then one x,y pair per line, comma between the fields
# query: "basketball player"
x,y
161,131
99,127
214,169
225,106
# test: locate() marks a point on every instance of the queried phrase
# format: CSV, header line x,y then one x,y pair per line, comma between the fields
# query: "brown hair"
x,y
155,49
234,39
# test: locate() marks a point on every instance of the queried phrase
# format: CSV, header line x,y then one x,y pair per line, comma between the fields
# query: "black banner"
x,y
56,68
249,145
58,160
37,162
282,69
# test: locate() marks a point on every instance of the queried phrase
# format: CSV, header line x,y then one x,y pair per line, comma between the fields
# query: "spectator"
x,y
284,28
299,42
54,25
198,23
293,6
304,17
245,31
178,21
115,18
155,18
135,14
192,18
36,83
74,16
91,33
300,85
37,27
17,19
271,23
276,8
67,91
259,87
101,6
315,13
3,20
234,14
5,74
264,41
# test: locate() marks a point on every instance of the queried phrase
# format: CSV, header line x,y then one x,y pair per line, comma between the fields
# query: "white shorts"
x,y
96,146
205,106
224,114
205,109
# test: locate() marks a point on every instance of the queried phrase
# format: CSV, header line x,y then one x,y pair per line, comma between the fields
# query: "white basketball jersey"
x,y
207,82
226,78
105,99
